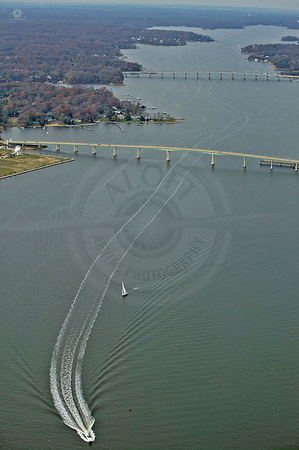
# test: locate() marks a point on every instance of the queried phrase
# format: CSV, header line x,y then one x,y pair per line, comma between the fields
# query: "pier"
x,y
211,74
270,160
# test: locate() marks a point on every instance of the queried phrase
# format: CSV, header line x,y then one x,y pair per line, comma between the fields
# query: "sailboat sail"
x,y
123,290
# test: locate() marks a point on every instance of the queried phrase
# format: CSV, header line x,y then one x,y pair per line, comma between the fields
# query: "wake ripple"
x,y
68,353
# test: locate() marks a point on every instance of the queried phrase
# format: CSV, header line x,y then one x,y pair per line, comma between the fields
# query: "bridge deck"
x,y
200,71
161,148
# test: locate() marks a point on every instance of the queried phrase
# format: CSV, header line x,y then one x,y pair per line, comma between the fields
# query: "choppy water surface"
x,y
203,349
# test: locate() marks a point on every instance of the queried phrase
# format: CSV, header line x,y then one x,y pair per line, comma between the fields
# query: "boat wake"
x,y
68,353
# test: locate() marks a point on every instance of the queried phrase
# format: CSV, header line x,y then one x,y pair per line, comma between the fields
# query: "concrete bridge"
x,y
270,160
211,74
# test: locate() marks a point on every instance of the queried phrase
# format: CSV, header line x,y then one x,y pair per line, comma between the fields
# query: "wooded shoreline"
x,y
78,49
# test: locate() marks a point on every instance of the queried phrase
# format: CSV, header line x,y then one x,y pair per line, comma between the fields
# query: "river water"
x,y
204,348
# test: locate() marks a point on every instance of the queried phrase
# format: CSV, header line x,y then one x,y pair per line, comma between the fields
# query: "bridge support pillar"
x,y
94,150
296,167
267,77
278,78
244,162
221,76
186,75
256,77
114,152
168,155
197,75
162,74
150,75
233,76
138,153
244,76
271,165
58,148
75,148
173,75
209,75
213,160
40,147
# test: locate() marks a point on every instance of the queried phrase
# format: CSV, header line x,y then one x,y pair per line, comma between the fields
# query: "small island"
x,y
290,39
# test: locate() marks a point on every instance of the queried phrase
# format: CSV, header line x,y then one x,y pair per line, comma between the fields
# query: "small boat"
x,y
123,289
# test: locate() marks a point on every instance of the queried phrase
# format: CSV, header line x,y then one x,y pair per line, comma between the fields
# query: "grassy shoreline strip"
x,y
37,168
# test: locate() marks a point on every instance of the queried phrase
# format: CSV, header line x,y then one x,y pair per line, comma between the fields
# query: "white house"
x,y
17,151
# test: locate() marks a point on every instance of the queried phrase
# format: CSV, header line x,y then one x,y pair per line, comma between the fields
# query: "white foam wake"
x,y
68,353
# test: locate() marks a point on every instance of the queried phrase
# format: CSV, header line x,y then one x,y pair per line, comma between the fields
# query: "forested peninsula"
x,y
42,103
284,57
48,46
34,58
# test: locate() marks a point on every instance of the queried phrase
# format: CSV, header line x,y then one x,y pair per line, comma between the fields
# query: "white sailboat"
x,y
123,289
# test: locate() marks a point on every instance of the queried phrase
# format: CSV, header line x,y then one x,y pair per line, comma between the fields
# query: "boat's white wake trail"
x,y
67,357
68,353
217,103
